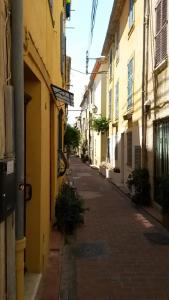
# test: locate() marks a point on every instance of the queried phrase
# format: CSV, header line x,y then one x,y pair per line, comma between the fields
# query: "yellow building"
x,y
123,47
44,65
40,97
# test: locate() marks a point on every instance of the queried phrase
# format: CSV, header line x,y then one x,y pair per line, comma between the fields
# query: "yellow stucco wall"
x,y
128,47
42,68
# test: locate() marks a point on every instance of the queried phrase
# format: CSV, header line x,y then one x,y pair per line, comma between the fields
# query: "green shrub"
x,y
162,191
69,210
100,124
139,179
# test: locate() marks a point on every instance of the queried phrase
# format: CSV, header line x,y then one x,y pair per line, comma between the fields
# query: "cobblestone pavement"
x,y
120,252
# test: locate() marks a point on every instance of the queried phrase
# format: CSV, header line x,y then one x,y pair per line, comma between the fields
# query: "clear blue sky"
x,y
78,43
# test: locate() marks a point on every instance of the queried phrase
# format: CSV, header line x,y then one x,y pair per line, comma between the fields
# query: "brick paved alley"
x,y
121,252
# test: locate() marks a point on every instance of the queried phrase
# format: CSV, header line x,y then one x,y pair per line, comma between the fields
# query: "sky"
x,y
78,37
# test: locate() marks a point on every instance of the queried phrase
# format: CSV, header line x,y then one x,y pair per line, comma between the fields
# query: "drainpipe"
x,y
143,89
18,83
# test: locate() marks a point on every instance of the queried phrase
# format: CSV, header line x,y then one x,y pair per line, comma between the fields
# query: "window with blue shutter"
x,y
110,65
131,13
130,84
117,100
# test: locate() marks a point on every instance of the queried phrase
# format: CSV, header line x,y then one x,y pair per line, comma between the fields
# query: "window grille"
x,y
162,147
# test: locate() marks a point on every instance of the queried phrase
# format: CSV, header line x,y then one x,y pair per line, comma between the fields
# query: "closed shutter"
x,y
131,13
129,149
161,32
117,100
110,104
116,147
130,84
137,157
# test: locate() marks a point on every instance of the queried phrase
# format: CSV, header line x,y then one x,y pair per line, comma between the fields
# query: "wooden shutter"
x,y
116,147
130,83
117,100
161,32
137,156
129,149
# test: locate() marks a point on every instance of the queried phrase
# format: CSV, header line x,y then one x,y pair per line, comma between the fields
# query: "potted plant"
x,y
162,189
100,124
69,210
139,186
102,168
116,176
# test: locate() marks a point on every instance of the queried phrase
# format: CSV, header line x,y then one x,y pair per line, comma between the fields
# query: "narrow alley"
x,y
121,252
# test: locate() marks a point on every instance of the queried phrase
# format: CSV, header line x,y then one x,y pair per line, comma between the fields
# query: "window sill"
x,y
129,113
131,30
161,66
115,124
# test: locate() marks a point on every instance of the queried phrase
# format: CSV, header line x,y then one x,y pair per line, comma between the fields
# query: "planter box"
x,y
108,173
102,170
116,178
105,171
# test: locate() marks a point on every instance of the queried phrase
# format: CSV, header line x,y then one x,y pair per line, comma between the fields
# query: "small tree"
x,y
72,137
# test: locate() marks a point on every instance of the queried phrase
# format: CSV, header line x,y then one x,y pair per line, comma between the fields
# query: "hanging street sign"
x,y
63,95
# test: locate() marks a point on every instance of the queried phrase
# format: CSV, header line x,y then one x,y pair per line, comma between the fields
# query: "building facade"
x,y
157,92
35,42
124,86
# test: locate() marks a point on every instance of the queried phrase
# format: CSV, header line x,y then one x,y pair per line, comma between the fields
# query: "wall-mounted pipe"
x,y
18,83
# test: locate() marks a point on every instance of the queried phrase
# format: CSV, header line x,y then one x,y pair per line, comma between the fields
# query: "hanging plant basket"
x,y
100,124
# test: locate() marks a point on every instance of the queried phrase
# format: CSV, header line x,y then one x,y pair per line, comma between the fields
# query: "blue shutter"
x,y
130,83
131,13
110,104
117,100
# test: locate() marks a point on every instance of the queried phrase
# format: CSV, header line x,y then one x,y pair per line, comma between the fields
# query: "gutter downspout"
x,y
18,83
143,90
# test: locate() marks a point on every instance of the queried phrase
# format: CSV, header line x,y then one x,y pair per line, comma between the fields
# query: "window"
x,y
131,13
161,32
117,44
110,65
116,100
161,147
129,149
110,104
137,156
108,149
130,83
